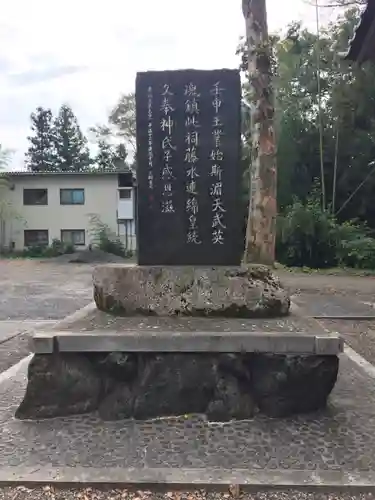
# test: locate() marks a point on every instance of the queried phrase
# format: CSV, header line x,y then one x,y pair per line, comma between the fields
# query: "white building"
x,y
42,206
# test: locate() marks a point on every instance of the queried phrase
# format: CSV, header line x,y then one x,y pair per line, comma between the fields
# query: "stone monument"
x,y
190,216
189,176
203,353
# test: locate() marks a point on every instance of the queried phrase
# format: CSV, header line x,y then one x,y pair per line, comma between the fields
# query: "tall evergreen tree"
x,y
120,157
40,154
104,158
110,156
71,151
4,161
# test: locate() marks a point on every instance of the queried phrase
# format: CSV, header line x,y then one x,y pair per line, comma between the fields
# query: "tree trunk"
x,y
261,223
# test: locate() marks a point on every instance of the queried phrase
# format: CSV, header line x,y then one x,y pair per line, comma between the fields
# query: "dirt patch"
x,y
94,256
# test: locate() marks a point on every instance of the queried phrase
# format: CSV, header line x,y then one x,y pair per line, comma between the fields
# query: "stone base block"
x,y
151,385
287,385
190,291
60,386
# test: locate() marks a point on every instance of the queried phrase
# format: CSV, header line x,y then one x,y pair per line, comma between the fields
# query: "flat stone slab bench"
x,y
318,343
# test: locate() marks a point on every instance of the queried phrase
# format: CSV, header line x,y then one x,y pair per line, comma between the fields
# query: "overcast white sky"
x,y
86,53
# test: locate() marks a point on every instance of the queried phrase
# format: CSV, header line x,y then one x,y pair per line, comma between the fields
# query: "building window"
x,y
35,237
35,197
125,179
72,196
74,237
125,194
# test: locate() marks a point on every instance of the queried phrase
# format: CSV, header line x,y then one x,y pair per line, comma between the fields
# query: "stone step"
x,y
320,343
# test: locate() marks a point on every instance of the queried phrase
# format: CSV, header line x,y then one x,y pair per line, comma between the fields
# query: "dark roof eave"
x,y
25,173
364,32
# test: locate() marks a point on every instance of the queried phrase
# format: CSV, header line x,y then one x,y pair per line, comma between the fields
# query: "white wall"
x,y
127,234
126,206
101,197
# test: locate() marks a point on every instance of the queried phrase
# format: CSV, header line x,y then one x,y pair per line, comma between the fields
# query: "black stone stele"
x,y
188,160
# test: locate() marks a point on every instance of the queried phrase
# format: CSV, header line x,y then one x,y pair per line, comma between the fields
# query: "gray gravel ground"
x,y
13,350
359,335
328,284
31,290
50,493
58,282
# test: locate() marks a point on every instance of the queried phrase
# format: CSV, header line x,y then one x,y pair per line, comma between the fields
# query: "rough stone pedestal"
x,y
246,292
145,385
183,343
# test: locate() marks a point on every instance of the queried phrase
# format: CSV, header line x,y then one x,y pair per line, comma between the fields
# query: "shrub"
x,y
111,246
306,236
69,248
34,251
309,237
50,252
54,250
359,253
58,248
103,238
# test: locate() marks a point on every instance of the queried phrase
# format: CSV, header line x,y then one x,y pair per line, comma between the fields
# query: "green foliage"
x,y
319,93
306,236
104,158
58,248
103,238
34,251
54,250
71,151
359,253
111,157
121,126
40,154
309,237
355,246
120,157
111,245
348,124
122,118
56,144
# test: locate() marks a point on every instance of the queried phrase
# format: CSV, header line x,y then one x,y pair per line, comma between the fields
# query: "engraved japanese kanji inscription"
x,y
188,167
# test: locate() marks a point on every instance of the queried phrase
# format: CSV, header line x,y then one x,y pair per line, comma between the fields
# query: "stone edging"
x,y
76,316
193,341
347,317
173,478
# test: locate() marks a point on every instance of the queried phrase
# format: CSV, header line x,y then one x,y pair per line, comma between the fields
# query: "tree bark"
x,y
261,223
